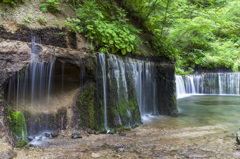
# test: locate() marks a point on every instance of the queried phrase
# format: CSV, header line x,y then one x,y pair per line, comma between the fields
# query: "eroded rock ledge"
x,y
15,57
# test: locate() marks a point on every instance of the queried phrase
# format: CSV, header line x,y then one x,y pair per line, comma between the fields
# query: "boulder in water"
x,y
76,135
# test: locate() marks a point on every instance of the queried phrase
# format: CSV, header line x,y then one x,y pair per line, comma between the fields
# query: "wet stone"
x,y
76,135
54,134
121,150
47,134
30,138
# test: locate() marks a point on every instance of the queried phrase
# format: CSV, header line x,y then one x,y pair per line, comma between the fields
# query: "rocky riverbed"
x,y
164,137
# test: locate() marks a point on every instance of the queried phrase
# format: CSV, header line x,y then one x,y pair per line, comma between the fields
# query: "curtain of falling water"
x,y
210,83
103,67
33,86
144,80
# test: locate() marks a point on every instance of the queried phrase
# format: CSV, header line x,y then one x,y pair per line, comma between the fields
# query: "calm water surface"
x,y
203,110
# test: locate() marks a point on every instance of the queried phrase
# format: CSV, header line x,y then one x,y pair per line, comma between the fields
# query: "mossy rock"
x,y
87,110
123,128
17,123
112,131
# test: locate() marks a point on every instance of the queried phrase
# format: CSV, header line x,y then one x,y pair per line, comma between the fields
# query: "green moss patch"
x,y
85,108
17,123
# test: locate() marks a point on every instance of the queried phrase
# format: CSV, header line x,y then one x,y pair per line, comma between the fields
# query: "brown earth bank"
x,y
163,138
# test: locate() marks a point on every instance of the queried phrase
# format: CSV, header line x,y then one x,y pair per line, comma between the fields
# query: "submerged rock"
x,y
54,134
76,135
39,139
47,134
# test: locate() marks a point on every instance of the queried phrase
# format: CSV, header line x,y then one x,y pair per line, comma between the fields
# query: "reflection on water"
x,y
203,110
210,110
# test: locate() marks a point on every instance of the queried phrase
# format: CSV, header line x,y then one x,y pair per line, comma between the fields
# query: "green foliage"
x,y
42,20
28,19
152,15
17,126
197,33
50,6
112,131
12,2
20,143
106,27
209,38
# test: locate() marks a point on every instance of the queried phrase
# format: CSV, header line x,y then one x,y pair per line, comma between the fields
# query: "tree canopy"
x,y
198,33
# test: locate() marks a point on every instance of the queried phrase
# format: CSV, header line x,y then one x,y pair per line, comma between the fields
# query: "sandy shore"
x,y
163,138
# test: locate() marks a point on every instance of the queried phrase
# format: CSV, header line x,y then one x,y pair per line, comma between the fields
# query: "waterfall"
x,y
136,76
30,89
180,89
190,87
103,67
209,83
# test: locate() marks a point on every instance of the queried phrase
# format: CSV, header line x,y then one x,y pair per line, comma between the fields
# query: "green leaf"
x,y
129,49
123,51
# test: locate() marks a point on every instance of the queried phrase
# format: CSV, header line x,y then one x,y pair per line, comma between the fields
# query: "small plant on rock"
x,y
50,6
42,20
28,19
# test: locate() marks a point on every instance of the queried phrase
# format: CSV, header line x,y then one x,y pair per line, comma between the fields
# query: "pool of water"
x,y
222,111
209,110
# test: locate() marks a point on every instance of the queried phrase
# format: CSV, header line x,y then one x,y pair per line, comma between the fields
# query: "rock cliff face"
x,y
15,56
81,93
